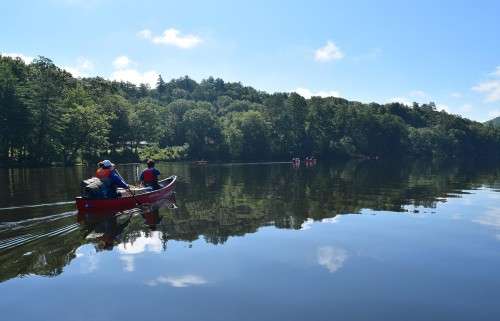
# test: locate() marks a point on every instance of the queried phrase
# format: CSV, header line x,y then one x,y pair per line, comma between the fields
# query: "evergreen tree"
x,y
161,87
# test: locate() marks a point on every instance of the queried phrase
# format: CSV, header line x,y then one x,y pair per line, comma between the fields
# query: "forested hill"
x,y
47,116
495,122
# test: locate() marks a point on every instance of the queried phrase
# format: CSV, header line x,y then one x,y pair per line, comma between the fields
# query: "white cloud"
x,y
135,77
413,96
81,69
179,281
142,244
494,113
128,263
146,34
401,100
419,94
172,37
496,72
121,62
328,53
463,110
331,257
422,97
491,88
122,73
307,93
466,108
26,59
443,107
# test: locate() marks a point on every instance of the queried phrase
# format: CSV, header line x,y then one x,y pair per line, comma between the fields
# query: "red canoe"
x,y
124,203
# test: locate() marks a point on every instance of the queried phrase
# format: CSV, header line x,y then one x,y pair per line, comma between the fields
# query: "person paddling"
x,y
110,178
149,176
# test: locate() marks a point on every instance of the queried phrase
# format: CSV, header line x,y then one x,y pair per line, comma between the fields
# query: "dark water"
x,y
355,241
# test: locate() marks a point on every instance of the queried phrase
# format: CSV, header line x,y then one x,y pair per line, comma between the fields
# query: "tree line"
x,y
47,116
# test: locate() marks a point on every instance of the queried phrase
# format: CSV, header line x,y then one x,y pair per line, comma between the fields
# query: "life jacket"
x,y
149,176
104,175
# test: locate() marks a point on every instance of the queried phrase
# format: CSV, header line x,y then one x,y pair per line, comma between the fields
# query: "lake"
x,y
341,241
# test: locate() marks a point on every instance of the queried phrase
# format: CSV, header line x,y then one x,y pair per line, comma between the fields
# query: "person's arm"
x,y
118,180
141,178
157,173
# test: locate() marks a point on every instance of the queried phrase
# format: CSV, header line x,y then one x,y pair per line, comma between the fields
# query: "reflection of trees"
x,y
217,202
235,200
46,257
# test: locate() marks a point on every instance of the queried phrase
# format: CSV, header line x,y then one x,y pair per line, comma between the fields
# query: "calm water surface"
x,y
355,241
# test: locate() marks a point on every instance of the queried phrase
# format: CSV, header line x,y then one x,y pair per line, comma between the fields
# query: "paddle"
x,y
133,196
128,189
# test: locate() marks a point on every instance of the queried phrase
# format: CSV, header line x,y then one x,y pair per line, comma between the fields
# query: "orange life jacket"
x,y
103,173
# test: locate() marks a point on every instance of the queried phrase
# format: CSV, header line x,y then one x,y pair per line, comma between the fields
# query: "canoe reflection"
x,y
105,230
108,229
152,218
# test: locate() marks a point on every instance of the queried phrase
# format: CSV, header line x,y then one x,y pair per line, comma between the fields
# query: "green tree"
x,y
43,93
117,111
247,135
84,128
47,116
145,122
171,118
203,133
161,88
15,118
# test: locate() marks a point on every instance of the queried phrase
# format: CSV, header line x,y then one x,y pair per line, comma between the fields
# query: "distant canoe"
x,y
201,162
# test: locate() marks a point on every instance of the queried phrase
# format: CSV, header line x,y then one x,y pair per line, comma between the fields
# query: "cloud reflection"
x,y
490,218
142,244
309,222
331,220
178,281
128,263
90,260
331,257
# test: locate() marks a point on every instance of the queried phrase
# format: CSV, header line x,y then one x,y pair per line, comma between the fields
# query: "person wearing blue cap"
x,y
110,178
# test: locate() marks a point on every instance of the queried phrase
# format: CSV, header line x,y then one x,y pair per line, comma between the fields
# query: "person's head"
x,y
150,163
100,165
107,164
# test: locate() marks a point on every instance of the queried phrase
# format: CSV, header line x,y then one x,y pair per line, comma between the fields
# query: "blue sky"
x,y
446,51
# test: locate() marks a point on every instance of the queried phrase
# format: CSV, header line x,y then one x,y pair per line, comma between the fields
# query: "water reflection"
x,y
331,257
216,203
490,218
105,230
89,260
178,281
